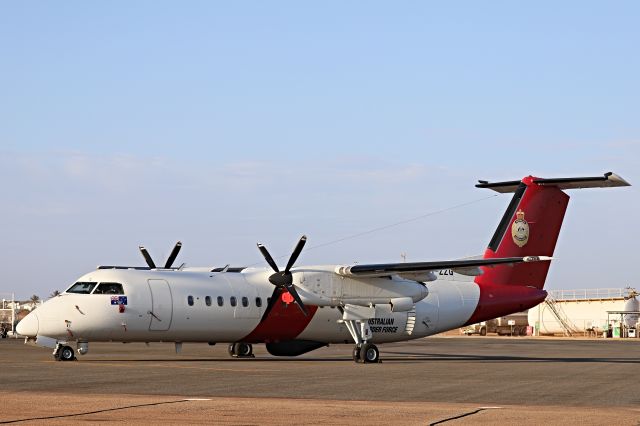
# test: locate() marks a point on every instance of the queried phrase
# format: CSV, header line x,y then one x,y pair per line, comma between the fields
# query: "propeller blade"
x,y
292,291
147,257
173,255
296,253
268,257
271,301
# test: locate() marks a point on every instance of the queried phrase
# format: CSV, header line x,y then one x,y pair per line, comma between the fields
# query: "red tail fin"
x,y
531,225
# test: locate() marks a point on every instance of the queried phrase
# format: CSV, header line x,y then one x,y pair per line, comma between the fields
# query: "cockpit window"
x,y
109,288
82,287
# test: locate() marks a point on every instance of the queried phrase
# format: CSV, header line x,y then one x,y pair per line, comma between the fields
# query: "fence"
x,y
591,294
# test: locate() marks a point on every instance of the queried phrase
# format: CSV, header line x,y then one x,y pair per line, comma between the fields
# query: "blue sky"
x,y
223,124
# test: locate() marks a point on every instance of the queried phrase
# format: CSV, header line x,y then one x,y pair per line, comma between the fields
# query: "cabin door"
x,y
161,311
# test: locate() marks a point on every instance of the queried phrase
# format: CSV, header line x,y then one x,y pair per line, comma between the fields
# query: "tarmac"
x,y
437,380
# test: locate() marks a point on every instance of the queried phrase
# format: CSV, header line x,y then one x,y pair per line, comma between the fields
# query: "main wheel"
x,y
243,349
66,353
356,353
231,350
483,331
369,353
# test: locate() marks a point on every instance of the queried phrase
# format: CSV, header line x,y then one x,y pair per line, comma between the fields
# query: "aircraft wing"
x,y
413,270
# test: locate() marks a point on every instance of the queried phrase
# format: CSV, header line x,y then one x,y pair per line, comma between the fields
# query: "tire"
x,y
369,353
231,350
243,349
483,331
356,353
66,353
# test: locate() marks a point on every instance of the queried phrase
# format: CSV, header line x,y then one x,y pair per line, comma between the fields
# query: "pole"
x,y
13,315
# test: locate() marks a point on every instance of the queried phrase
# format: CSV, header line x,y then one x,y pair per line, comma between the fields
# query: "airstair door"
x,y
161,311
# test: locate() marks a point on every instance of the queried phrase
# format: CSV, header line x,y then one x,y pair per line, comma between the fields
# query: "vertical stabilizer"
x,y
531,225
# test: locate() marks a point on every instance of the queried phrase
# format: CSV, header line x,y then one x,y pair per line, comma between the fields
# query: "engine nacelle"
x,y
401,304
326,288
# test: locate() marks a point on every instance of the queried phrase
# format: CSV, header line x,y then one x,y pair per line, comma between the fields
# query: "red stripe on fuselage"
x,y
285,321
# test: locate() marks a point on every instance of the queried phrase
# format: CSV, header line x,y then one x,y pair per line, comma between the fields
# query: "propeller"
x,y
170,259
284,279
173,255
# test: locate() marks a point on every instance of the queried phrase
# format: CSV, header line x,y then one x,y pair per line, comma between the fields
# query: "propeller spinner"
x,y
170,259
284,279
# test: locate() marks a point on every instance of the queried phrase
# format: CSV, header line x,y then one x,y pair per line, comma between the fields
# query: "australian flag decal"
x,y
118,300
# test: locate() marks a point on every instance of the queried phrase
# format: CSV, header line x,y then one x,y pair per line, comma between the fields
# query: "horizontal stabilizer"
x,y
608,180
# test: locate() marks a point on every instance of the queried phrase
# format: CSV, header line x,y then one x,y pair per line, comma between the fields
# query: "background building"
x,y
585,311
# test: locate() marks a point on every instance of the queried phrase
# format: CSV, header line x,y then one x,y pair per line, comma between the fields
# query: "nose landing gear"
x,y
64,353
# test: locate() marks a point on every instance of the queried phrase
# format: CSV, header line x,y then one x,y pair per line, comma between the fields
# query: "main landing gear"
x,y
241,350
363,351
366,352
369,353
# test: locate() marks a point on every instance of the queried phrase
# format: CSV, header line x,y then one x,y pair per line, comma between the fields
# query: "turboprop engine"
x,y
326,288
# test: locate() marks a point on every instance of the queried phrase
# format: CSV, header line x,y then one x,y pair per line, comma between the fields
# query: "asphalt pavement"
x,y
528,375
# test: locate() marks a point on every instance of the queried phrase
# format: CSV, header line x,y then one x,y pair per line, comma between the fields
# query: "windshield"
x,y
82,287
109,288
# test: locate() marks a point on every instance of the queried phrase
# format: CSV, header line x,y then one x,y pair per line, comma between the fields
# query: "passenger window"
x,y
245,301
190,300
207,300
82,287
220,301
258,302
233,301
109,288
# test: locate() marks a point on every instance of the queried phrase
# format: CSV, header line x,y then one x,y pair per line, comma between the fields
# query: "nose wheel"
x,y
64,353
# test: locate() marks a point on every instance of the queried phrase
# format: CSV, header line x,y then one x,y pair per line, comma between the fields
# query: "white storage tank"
x,y
632,305
578,311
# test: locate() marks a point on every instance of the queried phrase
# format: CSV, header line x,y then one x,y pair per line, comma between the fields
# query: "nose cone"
x,y
28,326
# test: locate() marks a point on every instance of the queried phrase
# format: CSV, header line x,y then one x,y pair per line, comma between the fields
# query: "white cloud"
x,y
77,165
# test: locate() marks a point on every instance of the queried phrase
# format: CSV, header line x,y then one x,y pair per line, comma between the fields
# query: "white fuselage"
x,y
183,306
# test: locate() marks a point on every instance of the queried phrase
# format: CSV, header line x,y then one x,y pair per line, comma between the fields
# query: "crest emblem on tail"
x,y
520,230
